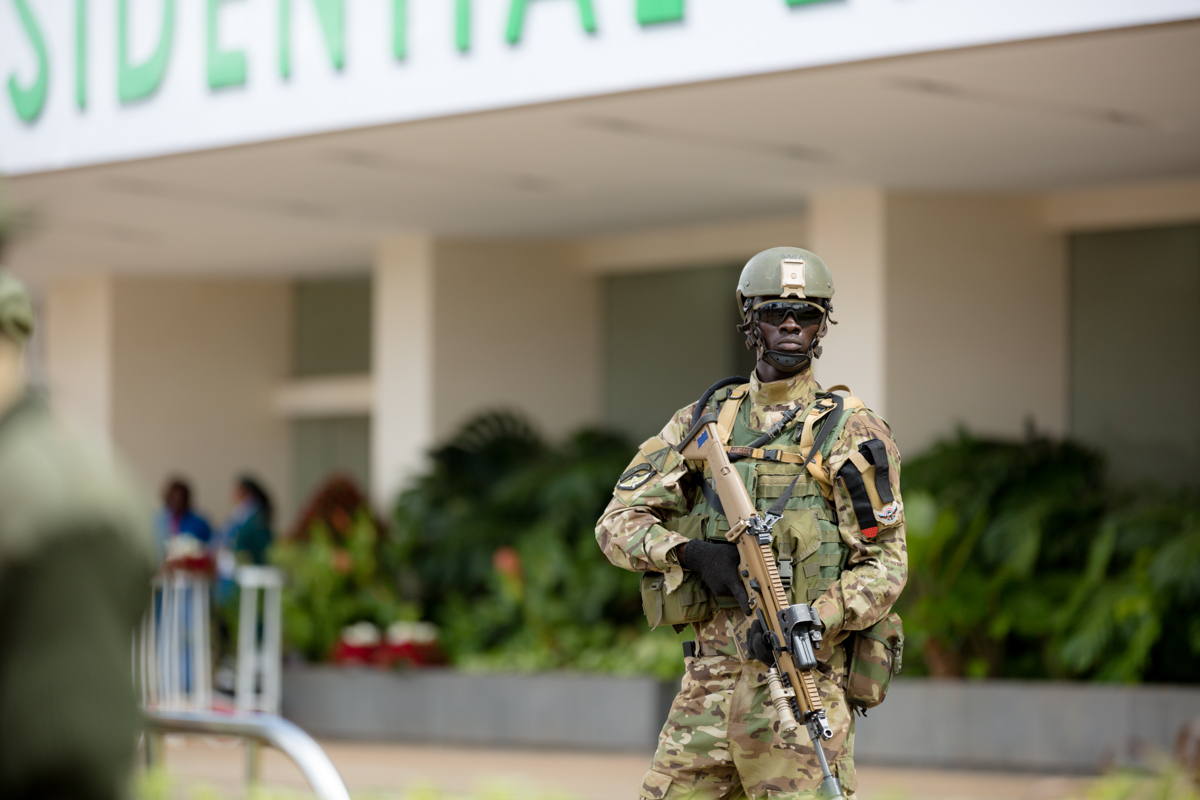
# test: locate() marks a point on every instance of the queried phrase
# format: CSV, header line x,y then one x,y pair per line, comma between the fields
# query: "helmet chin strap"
x,y
791,362
787,363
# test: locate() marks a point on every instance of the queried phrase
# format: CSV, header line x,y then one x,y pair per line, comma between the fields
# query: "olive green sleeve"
x,y
68,715
653,490
877,566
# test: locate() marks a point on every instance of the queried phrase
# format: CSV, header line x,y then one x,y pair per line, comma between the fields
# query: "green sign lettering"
x,y
81,53
29,101
462,25
136,81
229,67
225,67
400,29
516,18
332,14
650,12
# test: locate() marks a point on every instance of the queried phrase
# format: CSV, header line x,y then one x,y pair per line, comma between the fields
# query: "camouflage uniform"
x,y
721,737
76,556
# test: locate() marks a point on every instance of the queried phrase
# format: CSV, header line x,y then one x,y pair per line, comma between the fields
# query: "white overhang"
x,y
1053,114
108,80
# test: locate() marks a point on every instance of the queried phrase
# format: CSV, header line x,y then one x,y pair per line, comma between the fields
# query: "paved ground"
x,y
427,772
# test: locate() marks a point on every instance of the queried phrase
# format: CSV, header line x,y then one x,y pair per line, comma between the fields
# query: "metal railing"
x,y
257,729
171,655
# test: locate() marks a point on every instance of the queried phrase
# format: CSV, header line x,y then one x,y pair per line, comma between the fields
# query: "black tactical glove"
x,y
757,639
718,568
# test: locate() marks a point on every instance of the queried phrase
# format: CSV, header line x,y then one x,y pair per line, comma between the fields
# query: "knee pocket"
x,y
661,786
655,786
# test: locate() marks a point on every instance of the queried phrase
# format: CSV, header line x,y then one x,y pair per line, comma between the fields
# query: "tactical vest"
x,y
806,541
807,544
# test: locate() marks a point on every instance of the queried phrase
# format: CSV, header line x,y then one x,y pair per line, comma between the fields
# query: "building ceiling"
x,y
1066,113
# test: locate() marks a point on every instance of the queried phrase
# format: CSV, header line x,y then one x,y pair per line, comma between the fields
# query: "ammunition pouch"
x,y
874,656
691,602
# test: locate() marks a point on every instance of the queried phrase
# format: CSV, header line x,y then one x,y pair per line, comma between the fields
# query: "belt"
x,y
701,649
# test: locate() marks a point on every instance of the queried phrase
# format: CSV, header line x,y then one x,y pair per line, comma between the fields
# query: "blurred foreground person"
x,y
825,471
76,556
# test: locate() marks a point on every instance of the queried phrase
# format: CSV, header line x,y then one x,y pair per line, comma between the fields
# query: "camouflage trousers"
x,y
721,740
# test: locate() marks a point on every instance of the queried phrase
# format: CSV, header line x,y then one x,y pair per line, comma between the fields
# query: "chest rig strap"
x,y
828,410
729,410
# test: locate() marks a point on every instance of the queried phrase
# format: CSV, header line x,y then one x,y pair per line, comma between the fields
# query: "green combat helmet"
x,y
785,272
16,312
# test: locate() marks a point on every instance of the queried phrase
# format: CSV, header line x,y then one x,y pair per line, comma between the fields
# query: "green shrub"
x,y
1025,563
334,580
498,542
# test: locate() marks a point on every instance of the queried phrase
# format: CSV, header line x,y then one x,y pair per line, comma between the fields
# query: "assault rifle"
x,y
792,631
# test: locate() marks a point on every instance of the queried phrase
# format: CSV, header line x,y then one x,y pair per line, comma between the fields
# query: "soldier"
x,y
722,737
76,556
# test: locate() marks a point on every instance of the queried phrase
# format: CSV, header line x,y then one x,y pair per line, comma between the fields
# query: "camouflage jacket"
x,y
632,535
76,557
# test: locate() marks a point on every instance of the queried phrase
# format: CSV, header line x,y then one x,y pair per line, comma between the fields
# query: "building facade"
x,y
299,235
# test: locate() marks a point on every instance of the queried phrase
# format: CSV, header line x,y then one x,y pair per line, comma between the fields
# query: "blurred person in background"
x,y
178,526
244,540
76,556
183,538
248,532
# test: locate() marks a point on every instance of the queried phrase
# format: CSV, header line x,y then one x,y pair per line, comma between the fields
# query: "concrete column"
x,y
953,311
195,364
466,327
176,374
517,326
402,355
976,317
77,332
848,230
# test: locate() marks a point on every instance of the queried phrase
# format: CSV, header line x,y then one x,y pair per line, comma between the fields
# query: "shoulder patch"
x,y
659,458
661,455
889,515
635,477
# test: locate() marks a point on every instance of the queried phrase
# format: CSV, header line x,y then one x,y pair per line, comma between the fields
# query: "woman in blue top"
x,y
178,518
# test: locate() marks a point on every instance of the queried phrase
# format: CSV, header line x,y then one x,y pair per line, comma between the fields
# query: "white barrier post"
x,y
173,653
259,662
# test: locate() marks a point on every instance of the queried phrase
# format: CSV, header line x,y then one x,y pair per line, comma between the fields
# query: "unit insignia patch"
x,y
889,514
635,477
659,458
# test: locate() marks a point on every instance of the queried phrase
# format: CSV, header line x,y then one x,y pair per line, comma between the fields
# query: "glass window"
x,y
1135,350
668,336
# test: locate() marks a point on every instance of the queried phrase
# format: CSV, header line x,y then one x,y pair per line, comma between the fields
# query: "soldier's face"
x,y
789,336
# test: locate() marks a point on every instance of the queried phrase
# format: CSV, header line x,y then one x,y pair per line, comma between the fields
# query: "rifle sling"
x,y
830,421
711,496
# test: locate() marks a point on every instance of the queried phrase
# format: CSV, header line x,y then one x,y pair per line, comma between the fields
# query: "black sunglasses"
x,y
774,312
